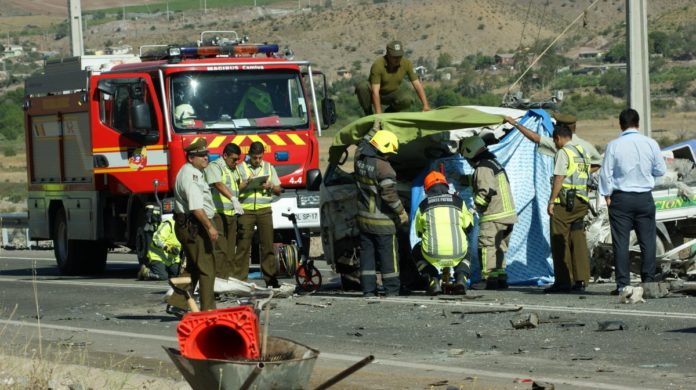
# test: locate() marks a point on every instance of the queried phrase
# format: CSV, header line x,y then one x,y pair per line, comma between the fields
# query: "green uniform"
x,y
191,192
378,206
226,219
548,148
258,214
494,204
164,252
568,240
390,93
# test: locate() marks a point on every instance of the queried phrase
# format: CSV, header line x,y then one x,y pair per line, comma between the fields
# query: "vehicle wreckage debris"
x,y
608,326
319,305
528,321
539,385
493,311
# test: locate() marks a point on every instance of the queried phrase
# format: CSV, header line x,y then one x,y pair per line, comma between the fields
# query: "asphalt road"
x,y
115,321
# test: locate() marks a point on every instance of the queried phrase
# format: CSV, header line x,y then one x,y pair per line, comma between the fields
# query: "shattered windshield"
x,y
238,101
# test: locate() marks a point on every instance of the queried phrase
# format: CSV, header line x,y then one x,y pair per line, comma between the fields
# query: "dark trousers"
x,y
379,252
461,270
200,261
633,211
226,265
160,271
571,258
262,219
397,101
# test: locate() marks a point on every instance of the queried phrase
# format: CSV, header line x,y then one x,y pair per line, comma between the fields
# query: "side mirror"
x,y
313,179
328,112
142,123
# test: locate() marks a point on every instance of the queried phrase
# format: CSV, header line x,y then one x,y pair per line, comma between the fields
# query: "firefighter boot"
x,y
459,285
502,280
433,286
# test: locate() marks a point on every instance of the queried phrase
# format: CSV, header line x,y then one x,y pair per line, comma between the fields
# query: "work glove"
x,y
174,251
237,206
403,218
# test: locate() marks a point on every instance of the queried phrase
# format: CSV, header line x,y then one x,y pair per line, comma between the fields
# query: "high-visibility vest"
x,y
222,204
164,237
441,221
577,174
257,97
257,198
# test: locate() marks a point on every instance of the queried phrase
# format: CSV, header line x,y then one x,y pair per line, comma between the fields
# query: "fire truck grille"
x,y
286,169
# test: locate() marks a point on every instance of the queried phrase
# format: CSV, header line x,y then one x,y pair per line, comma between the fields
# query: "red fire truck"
x,y
105,142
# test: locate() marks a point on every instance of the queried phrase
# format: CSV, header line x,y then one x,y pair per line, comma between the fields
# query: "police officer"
x,y
442,221
567,208
378,208
193,214
383,88
224,185
163,254
258,183
494,204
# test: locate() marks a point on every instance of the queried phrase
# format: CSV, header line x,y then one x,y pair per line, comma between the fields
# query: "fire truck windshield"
x,y
238,101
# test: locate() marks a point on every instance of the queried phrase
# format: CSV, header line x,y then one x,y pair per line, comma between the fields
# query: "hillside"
x,y
345,33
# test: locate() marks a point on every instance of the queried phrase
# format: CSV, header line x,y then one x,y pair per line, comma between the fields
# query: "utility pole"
x,y
637,51
75,17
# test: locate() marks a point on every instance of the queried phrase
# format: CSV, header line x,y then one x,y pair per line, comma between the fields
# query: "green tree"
x,y
616,53
444,60
614,82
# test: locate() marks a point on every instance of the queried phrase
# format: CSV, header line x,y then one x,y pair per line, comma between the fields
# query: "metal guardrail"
x,y
15,230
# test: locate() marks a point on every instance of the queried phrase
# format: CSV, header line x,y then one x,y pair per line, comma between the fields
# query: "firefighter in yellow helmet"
x,y
379,212
495,207
442,221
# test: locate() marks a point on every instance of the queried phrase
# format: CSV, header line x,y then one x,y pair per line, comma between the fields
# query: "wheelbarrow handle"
x,y
183,280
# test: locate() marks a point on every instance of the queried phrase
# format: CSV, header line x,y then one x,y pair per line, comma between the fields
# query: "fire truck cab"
x,y
105,141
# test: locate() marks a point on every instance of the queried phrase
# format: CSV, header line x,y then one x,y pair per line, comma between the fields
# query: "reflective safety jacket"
x,y
378,202
164,246
256,101
577,174
441,221
492,195
253,197
228,177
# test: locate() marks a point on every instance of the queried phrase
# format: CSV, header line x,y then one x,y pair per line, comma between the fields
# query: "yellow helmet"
x,y
471,146
385,142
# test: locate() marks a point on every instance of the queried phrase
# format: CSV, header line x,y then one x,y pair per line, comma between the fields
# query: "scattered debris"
x,y
439,383
607,326
582,358
459,297
654,290
455,352
526,322
571,324
604,370
520,351
539,385
356,334
501,310
658,365
479,335
631,295
319,305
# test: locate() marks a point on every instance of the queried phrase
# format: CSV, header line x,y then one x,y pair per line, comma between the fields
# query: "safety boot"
x,y
434,286
459,285
502,280
143,273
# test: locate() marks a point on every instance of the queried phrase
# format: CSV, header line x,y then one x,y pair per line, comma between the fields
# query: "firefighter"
x,y
193,215
568,205
258,183
255,103
379,211
223,178
442,221
494,205
163,254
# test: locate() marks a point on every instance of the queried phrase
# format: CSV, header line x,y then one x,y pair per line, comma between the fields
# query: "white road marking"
x,y
353,359
85,283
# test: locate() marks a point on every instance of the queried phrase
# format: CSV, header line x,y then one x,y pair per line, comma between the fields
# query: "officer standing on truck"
x,y
378,208
223,178
383,88
259,181
568,205
494,205
193,213
442,221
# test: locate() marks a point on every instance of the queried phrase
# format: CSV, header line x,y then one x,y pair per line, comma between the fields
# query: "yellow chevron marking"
x,y
276,139
217,141
239,139
256,138
296,139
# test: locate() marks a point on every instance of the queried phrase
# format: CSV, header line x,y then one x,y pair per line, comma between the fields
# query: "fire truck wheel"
x,y
94,260
64,249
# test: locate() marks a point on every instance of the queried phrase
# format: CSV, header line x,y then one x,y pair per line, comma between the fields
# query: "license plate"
x,y
307,217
